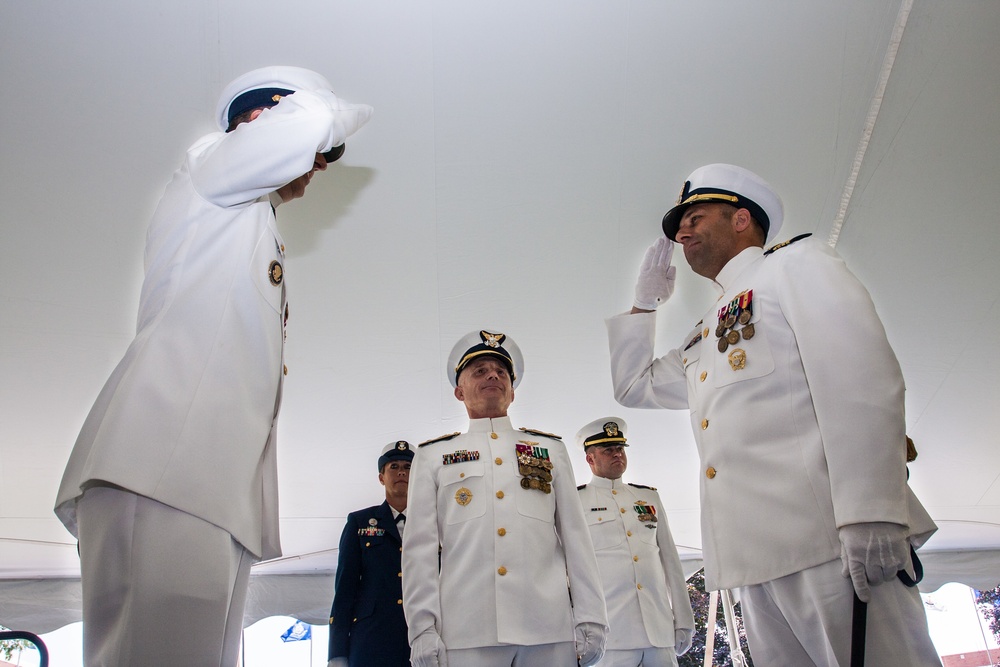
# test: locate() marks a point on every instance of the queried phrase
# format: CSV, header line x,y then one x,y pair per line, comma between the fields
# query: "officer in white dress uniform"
x,y
649,610
497,541
796,401
171,487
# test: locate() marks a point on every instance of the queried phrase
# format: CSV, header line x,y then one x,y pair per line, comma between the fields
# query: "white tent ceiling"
x,y
518,163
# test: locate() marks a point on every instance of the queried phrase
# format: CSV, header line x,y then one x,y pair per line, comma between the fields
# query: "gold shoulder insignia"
x,y
541,433
642,486
779,246
447,436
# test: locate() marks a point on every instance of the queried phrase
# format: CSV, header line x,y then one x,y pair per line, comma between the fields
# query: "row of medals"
x,y
536,473
739,310
645,512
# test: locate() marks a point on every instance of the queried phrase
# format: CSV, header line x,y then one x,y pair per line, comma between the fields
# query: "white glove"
x,y
682,640
337,662
656,275
590,640
872,553
349,119
428,650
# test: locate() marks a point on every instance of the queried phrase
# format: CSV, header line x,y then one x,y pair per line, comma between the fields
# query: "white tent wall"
x,y
518,163
45,605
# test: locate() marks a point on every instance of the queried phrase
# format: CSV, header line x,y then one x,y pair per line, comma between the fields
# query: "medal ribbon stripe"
x,y
460,456
540,453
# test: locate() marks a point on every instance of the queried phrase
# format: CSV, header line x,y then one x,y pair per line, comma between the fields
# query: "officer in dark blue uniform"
x,y
367,626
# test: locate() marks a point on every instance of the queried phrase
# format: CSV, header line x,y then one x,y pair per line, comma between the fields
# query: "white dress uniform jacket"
x,y
644,586
188,416
800,427
505,551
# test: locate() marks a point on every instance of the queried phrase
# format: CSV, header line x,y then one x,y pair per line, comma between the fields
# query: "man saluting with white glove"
x,y
796,402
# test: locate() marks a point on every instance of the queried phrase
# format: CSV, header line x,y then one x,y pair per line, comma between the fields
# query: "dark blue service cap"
x,y
394,451
255,99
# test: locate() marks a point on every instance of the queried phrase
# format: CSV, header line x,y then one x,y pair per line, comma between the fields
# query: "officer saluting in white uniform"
x,y
644,587
497,508
796,401
171,487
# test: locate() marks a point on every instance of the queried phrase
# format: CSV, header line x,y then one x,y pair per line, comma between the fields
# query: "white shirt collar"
x,y
605,483
489,424
734,267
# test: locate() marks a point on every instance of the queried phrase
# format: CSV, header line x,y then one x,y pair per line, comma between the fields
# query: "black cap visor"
x,y
334,153
672,219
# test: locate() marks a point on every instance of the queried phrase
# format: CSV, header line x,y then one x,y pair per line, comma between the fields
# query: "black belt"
x,y
860,621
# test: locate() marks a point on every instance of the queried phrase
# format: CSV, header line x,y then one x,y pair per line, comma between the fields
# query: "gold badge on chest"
x,y
275,273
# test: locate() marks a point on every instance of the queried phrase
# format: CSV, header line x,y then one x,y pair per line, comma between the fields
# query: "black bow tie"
x,y
401,517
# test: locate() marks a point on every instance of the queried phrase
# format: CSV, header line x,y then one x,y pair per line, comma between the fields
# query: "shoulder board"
x,y
448,436
581,487
642,486
779,246
541,433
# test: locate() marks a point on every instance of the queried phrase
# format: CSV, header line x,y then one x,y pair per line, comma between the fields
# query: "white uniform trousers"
x,y
160,586
540,655
805,618
639,657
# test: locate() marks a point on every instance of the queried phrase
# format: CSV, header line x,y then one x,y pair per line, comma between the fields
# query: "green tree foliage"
x,y
989,604
720,653
7,647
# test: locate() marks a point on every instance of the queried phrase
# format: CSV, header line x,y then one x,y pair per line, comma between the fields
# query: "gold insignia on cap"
x,y
684,189
493,340
402,445
276,98
463,496
611,429
275,273
712,196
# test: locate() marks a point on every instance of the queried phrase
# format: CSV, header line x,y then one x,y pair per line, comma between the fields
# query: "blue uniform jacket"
x,y
367,623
